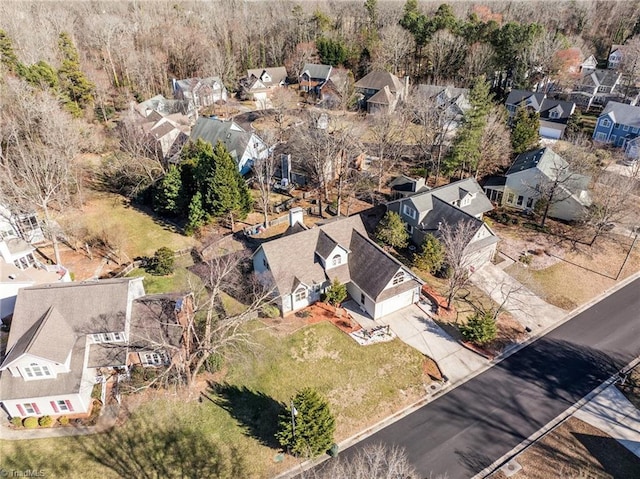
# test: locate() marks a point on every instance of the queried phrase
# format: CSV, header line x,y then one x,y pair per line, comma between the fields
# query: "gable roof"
x,y
382,97
317,71
231,134
277,74
377,80
601,77
622,113
530,98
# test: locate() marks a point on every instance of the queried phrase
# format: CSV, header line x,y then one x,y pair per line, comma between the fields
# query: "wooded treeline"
x,y
135,48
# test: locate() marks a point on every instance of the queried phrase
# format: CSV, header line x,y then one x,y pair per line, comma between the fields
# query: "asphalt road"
x,y
467,429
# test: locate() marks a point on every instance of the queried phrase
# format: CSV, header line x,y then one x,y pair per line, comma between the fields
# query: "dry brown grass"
x,y
576,450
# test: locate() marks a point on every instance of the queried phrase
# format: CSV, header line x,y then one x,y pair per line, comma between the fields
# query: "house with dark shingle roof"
x,y
619,124
554,114
381,91
261,82
596,88
244,146
313,77
462,201
530,174
66,337
301,266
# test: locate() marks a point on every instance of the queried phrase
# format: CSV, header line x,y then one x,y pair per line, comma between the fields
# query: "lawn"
x,y
234,424
181,280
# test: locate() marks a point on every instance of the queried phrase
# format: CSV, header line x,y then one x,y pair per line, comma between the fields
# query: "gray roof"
x,y
163,106
277,74
18,245
545,159
232,135
405,183
377,80
154,321
601,78
294,259
518,96
317,71
622,113
452,194
382,97
563,108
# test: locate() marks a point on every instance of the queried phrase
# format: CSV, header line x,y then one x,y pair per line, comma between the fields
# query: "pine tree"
x,y
391,230
197,215
166,199
480,329
525,135
431,255
76,89
306,426
336,293
8,55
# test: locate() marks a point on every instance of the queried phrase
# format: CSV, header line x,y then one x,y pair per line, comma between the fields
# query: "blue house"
x,y
619,124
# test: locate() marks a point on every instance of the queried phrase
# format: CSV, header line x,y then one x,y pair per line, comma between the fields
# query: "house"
x,y
619,124
313,77
596,88
166,135
244,146
452,101
338,84
554,114
462,201
589,65
530,174
301,266
65,338
402,186
261,82
380,91
202,92
166,107
614,60
21,225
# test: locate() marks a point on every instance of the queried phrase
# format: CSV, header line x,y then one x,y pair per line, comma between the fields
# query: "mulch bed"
x,y
325,312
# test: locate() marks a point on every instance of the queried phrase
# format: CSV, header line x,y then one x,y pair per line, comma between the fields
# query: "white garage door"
x,y
397,302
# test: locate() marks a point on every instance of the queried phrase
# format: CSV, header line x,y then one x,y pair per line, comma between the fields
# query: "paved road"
x,y
462,432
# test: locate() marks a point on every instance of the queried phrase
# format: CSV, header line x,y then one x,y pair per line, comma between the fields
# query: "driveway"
x,y
414,326
527,308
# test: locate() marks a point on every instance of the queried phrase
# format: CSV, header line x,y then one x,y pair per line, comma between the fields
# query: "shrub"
x,y
525,259
16,421
45,421
213,363
162,262
336,293
480,329
270,311
63,420
30,422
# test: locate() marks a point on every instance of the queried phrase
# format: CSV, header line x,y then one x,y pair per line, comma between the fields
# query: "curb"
x,y
450,386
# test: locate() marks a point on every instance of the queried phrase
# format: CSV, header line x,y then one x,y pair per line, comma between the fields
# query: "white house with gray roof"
x,y
302,265
244,146
462,201
66,337
528,178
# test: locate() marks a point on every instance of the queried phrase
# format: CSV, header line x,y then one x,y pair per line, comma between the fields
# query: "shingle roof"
x,y
518,96
377,80
277,74
382,97
622,113
232,135
317,71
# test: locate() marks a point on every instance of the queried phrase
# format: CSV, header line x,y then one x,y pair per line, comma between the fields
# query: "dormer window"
x,y
605,122
35,370
398,278
336,260
408,211
554,114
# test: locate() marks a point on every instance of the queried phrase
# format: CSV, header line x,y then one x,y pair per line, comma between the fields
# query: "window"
x,y
634,130
398,278
613,138
409,228
300,294
31,408
35,370
361,298
264,262
97,338
61,405
408,211
616,125
118,337
529,202
520,200
601,137
154,359
625,128
336,260
554,114
510,198
605,122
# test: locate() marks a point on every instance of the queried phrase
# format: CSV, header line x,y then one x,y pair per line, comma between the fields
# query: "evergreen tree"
x,y
480,329
163,262
336,293
76,89
332,52
466,150
166,199
197,215
391,230
525,134
8,55
431,255
196,166
306,426
41,75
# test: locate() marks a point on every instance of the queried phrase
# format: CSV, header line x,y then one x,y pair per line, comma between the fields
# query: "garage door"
x,y
397,302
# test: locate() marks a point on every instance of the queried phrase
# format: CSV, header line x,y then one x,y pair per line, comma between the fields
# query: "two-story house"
x,y
596,88
313,77
619,124
380,91
554,114
202,92
260,83
301,266
462,201
614,61
64,338
529,179
244,146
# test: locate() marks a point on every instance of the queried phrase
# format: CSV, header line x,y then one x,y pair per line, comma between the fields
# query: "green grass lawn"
x,y
140,233
181,280
234,424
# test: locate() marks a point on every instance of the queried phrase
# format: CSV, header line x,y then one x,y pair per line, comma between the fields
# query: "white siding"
x,y
397,302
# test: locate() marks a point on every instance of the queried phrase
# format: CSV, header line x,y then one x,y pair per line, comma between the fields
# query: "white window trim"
x,y
153,358
398,278
336,260
605,122
300,294
409,211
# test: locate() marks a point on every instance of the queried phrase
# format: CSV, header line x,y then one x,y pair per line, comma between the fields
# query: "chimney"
x,y
296,215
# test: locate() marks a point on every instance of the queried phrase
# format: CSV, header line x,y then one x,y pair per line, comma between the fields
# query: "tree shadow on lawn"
x,y
256,412
614,457
141,448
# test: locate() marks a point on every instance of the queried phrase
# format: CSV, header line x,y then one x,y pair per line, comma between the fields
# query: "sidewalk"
x,y
527,308
612,413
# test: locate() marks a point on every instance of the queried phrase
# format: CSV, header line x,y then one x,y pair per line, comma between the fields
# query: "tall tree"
x,y
263,171
392,231
525,134
455,239
167,197
76,89
431,255
8,55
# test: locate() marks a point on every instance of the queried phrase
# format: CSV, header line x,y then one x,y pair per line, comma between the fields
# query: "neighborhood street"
x,y
467,429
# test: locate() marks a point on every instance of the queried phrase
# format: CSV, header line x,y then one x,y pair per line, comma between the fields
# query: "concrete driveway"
x,y
414,326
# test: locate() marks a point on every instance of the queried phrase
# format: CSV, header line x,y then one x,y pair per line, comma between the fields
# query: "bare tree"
x,y
395,46
455,239
495,150
263,170
445,55
386,132
630,66
37,167
373,461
